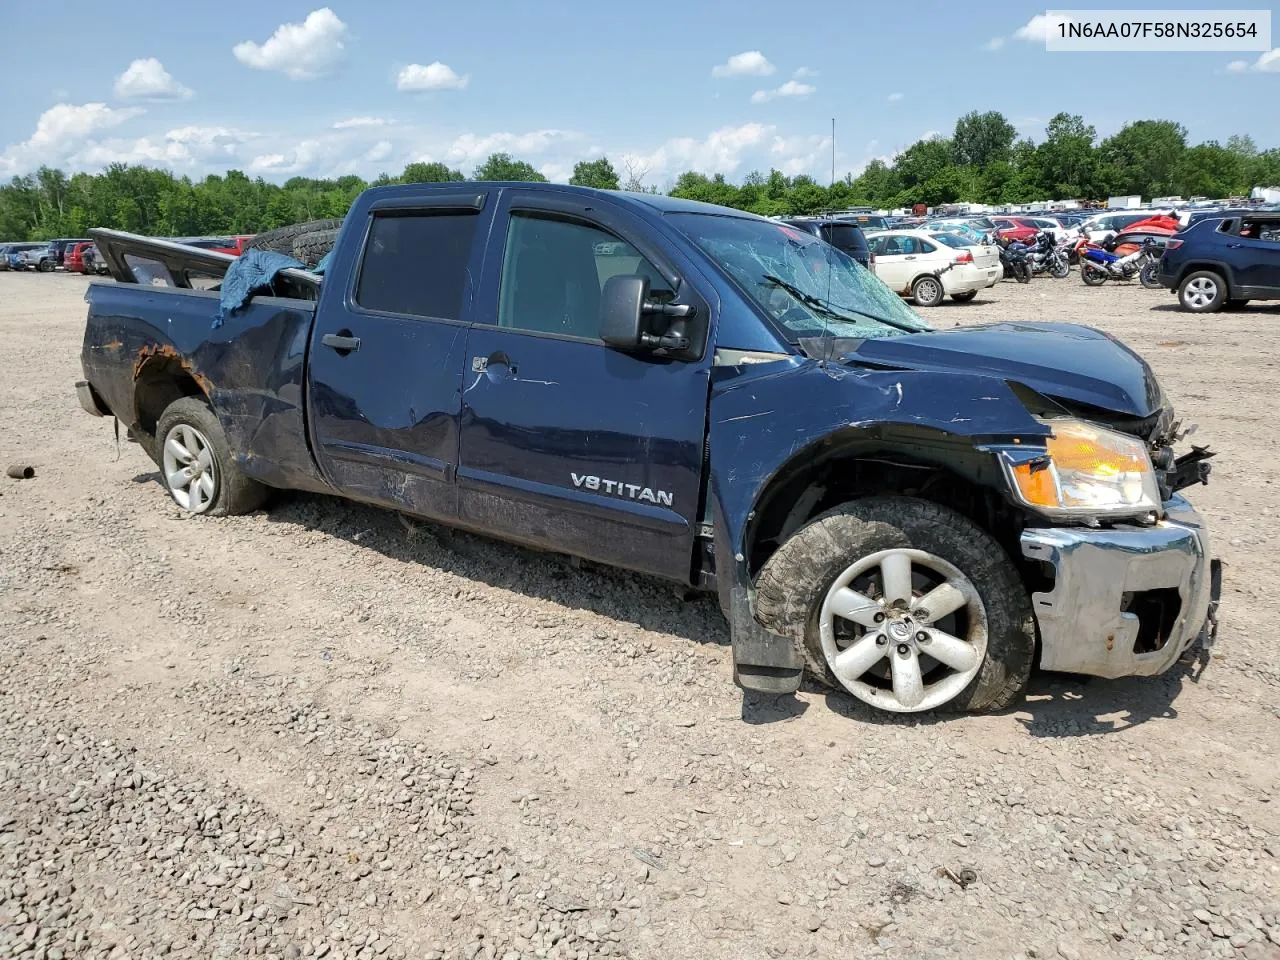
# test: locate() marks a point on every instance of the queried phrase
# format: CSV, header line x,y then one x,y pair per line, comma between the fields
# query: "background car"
x,y
1014,228
841,234
1099,228
73,258
30,256
928,267
964,228
58,248
1224,262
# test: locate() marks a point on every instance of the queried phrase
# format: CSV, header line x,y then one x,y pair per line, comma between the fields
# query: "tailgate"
x,y
155,262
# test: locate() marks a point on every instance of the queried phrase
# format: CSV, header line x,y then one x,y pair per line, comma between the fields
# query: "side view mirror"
x,y
624,309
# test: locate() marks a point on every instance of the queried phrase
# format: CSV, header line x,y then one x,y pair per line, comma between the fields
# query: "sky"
x,y
291,88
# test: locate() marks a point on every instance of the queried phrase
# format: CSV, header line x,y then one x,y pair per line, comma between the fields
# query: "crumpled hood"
x,y
1062,360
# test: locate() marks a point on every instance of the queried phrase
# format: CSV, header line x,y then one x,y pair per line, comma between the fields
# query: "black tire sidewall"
x,y
964,297
1100,276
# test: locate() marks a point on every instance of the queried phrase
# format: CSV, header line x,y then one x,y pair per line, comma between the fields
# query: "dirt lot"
x,y
320,731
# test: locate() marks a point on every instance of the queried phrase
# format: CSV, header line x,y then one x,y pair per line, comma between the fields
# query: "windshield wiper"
x,y
833,311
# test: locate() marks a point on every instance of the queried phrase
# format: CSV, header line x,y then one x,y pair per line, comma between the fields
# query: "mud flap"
x,y
761,660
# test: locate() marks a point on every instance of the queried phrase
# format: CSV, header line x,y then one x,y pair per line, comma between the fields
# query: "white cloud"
x,y
301,51
556,172
994,44
354,122
298,159
791,88
183,148
722,151
895,97
804,73
60,131
1269,62
1039,27
380,151
751,63
930,135
147,79
434,76
803,154
470,148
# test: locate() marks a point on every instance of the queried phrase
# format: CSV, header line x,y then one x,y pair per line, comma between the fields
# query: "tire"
x,y
311,248
1092,276
1150,276
281,239
1022,272
1202,292
927,291
804,576
1060,270
964,297
1235,303
46,266
190,423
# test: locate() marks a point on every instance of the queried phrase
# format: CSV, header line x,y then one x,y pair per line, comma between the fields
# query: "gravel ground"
x,y
322,731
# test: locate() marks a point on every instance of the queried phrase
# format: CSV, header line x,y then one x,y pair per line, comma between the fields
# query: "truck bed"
x,y
251,368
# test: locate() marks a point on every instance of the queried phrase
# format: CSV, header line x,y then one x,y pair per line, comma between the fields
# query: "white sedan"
x,y
928,266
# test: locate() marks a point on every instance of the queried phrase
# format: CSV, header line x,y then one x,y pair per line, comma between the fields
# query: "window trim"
x,y
516,210
411,207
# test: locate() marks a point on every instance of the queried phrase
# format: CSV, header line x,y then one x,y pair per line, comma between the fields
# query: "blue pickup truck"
x,y
706,396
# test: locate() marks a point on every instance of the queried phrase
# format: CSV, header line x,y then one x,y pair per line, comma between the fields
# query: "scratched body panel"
x,y
767,417
252,368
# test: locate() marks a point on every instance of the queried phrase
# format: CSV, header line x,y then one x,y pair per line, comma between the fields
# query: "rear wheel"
x,y
196,465
1202,292
964,297
905,604
46,266
1092,276
927,292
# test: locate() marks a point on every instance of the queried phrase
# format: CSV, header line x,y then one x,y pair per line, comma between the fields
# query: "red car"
x,y
73,260
1012,228
232,245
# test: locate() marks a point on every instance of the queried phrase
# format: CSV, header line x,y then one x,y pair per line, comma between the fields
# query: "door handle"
x,y
342,342
911,257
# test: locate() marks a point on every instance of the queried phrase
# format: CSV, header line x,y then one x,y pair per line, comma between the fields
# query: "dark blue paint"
x,y
1250,265
1057,359
486,427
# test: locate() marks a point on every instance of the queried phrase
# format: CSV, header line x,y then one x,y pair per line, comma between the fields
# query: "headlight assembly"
x,y
1085,471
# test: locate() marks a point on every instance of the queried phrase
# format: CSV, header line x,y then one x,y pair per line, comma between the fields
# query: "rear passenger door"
x,y
386,357
569,444
1257,260
895,260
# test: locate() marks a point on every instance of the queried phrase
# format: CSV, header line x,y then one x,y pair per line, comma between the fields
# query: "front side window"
x,y
806,287
554,270
416,264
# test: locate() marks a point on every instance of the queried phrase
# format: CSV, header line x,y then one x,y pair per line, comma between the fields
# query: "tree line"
x,y
982,161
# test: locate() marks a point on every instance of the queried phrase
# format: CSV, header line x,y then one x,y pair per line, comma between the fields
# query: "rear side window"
x,y
416,264
1260,229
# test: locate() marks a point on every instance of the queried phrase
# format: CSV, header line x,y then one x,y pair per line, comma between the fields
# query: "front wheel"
x,y
196,465
1092,276
907,605
1150,276
1022,272
46,266
927,292
1060,270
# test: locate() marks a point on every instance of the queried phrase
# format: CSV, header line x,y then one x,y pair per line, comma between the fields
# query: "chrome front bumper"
x,y
1084,624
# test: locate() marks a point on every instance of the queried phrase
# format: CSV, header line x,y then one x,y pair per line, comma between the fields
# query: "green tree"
x,y
432,173
1066,159
1142,157
501,166
1211,170
982,138
595,173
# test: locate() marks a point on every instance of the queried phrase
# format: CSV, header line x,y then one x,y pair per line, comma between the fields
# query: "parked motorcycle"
x,y
1014,258
1044,256
1098,265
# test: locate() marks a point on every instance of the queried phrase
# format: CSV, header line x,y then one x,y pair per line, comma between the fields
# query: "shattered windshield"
x,y
807,287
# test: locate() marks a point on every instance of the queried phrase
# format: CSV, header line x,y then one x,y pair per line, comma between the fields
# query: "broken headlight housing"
x,y
1085,471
